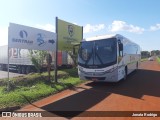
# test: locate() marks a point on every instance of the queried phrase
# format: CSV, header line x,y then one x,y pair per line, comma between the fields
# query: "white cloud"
x,y
154,28
75,23
92,28
48,27
123,26
3,36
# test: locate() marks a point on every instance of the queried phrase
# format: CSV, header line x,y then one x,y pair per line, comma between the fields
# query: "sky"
x,y
138,20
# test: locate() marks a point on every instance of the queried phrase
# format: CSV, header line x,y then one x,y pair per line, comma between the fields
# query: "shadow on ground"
x,y
139,83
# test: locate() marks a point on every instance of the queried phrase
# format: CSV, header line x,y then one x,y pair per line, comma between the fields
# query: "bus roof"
x,y
118,36
102,37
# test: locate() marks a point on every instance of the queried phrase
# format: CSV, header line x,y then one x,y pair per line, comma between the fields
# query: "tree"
x,y
73,57
145,54
37,58
74,54
155,52
49,61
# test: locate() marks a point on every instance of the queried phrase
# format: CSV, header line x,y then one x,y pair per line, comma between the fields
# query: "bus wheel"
x,y
19,70
23,70
125,74
28,70
137,66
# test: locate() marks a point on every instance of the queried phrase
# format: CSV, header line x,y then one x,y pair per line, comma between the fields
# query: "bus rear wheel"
x,y
137,66
23,70
19,70
28,70
125,74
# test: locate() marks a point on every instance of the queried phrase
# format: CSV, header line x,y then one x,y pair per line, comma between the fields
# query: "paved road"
x,y
140,92
4,74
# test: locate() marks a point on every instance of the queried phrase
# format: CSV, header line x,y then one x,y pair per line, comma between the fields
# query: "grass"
x,y
33,87
144,59
158,59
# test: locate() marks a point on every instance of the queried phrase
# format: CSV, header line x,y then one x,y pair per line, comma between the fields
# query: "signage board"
x,y
68,35
25,37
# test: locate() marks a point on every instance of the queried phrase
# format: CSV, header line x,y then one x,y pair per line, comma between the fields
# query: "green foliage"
x,y
155,52
144,59
74,57
37,58
145,54
33,87
158,59
31,79
74,54
72,72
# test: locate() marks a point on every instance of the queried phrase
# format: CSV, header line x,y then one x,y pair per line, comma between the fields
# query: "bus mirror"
x,y
120,47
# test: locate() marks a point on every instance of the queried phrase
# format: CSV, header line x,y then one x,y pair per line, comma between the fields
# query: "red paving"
x,y
140,92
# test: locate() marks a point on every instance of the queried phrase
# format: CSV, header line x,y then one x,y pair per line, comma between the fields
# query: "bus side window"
x,y
121,53
120,46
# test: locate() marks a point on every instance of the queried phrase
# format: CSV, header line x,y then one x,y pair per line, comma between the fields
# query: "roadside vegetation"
x,y
158,59
144,59
29,88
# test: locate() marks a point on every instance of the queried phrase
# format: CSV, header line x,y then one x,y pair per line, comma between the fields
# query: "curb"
x,y
10,109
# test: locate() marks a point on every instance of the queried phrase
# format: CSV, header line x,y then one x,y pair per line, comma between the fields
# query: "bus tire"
x,y
0,67
125,73
23,70
19,70
137,66
28,69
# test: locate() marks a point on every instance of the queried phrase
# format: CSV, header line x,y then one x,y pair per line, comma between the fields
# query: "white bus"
x,y
108,58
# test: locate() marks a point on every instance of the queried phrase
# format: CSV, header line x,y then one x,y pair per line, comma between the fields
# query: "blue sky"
x,y
138,20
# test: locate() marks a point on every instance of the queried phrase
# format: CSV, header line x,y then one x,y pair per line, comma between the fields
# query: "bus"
x,y
107,58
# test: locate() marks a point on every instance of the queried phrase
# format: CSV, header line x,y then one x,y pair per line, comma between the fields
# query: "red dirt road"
x,y
140,92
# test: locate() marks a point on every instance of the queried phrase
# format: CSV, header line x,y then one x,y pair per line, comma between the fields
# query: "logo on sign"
x,y
51,41
40,39
70,30
23,38
23,34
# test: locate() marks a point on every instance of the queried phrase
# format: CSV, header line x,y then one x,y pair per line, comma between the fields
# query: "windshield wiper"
x,y
89,57
96,54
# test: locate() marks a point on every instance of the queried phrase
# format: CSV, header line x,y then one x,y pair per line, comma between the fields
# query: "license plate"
x,y
94,79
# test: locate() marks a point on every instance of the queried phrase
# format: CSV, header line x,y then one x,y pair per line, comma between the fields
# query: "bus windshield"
x,y
98,53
